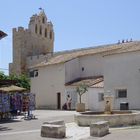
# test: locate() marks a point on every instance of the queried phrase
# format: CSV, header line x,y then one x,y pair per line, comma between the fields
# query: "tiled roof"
x,y
98,85
105,50
89,81
126,47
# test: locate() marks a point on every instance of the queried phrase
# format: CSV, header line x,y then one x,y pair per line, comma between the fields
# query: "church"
x,y
107,69
31,46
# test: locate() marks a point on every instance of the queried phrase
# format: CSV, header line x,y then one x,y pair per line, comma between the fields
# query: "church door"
x,y
58,100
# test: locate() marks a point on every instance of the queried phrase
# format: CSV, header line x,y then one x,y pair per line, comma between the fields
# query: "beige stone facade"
x,y
32,45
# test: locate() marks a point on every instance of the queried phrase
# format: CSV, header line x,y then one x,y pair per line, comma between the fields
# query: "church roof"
x,y
126,47
63,57
94,82
98,85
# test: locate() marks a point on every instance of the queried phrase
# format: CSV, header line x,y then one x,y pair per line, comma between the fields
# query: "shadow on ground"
x,y
4,128
9,121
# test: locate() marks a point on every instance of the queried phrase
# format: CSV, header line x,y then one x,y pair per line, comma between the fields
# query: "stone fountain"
x,y
108,100
114,117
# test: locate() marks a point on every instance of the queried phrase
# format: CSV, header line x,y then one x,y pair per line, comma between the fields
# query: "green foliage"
x,y
21,81
3,76
81,89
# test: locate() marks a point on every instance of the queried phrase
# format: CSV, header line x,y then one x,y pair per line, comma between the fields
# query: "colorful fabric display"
x,y
4,103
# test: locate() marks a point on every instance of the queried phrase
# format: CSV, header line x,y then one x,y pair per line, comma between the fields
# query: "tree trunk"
x,y
80,99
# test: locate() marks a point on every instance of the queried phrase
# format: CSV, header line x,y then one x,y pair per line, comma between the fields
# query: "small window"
x,y
31,73
121,93
101,97
36,28
40,30
46,32
35,73
83,69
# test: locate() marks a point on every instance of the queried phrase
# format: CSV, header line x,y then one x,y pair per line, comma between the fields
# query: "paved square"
x,y
30,130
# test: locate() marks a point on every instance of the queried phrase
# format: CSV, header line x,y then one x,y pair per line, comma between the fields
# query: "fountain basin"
x,y
115,119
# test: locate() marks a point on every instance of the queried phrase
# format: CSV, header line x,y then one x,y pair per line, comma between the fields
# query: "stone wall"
x,y
37,40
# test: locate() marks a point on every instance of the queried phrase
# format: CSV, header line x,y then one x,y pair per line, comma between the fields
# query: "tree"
x,y
81,89
3,76
22,81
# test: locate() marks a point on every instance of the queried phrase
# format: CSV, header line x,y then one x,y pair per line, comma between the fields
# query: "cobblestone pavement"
x,y
30,130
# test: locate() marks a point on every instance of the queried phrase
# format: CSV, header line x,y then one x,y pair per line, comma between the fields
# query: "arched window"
x,y
40,30
43,19
36,28
50,34
45,32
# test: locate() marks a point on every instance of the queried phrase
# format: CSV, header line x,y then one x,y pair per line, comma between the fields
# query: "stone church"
x,y
32,45
108,70
112,69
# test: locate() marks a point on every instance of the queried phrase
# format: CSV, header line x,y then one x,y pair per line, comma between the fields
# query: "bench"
x,y
53,129
99,129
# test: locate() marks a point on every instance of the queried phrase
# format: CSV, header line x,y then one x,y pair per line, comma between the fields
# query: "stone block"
x,y
53,131
99,129
55,122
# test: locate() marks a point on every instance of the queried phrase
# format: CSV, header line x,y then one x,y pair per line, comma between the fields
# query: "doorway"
x,y
58,100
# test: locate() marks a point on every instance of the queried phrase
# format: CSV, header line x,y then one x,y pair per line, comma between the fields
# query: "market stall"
x,y
15,100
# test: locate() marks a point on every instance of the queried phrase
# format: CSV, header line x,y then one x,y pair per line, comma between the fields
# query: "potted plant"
x,y
81,89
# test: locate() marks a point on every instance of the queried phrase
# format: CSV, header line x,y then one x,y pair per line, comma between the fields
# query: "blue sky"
x,y
77,23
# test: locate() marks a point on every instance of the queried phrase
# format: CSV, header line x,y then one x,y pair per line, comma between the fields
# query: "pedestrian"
x,y
64,107
69,99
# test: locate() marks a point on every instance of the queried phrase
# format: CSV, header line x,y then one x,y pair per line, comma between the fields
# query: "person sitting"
x,y
64,107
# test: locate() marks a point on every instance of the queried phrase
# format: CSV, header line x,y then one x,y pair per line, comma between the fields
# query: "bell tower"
x,y
32,45
40,27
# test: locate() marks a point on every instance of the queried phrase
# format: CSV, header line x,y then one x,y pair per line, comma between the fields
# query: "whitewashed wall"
x,y
72,70
122,71
90,98
50,81
71,90
93,99
92,64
